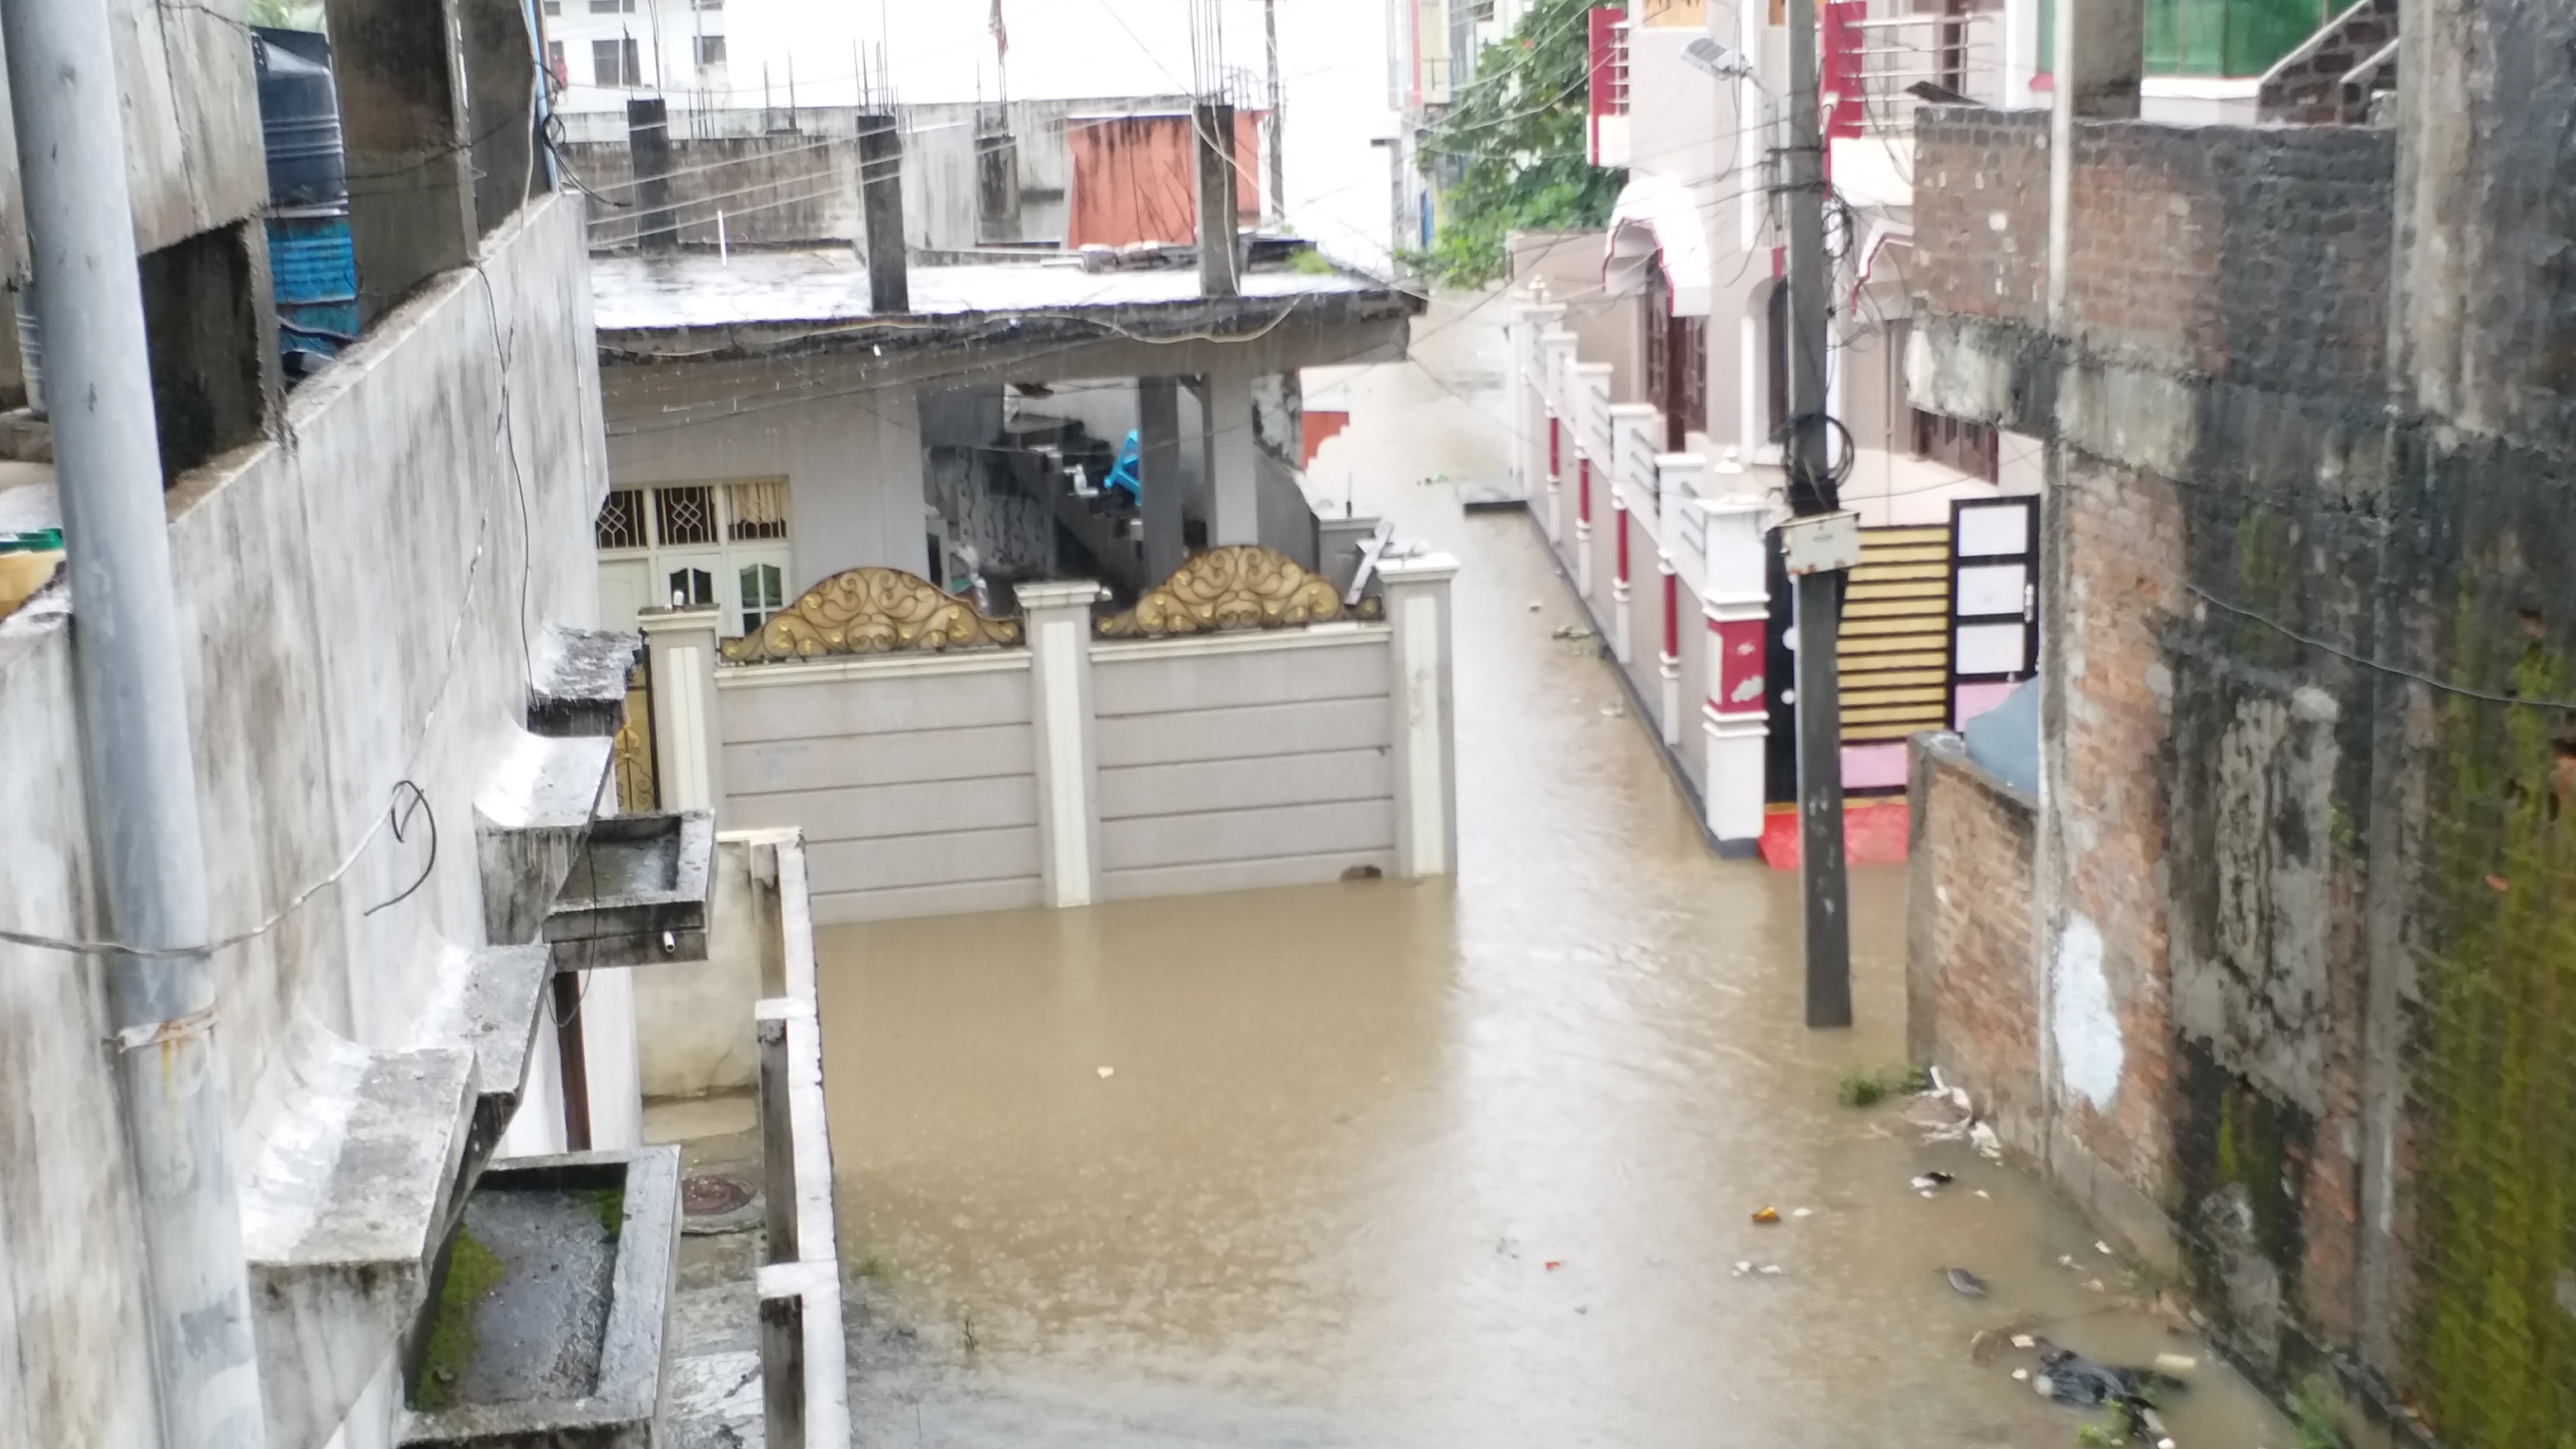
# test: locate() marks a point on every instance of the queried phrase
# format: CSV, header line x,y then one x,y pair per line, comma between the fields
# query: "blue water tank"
x,y
315,272
299,116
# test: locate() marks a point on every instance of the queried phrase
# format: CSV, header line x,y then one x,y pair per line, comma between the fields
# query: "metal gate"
x,y
1892,649
1993,640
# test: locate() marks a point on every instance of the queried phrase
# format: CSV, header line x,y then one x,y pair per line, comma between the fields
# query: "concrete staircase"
x,y
2335,76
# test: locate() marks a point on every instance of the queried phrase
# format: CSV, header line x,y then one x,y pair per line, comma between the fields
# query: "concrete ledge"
x,y
346,1205
530,817
582,690
623,1407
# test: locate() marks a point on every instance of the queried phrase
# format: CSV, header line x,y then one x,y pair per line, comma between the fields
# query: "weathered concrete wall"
x,y
852,457
732,159
1968,944
2303,889
1243,761
363,603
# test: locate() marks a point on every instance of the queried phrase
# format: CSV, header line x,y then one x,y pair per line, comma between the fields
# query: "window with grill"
x,y
621,520
692,588
711,50
615,63
612,7
684,516
755,510
1972,448
764,592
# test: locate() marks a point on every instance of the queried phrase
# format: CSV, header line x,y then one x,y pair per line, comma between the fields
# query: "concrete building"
x,y
2268,971
1023,457
390,714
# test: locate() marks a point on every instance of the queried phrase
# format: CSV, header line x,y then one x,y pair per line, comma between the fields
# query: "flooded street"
x,y
1464,1163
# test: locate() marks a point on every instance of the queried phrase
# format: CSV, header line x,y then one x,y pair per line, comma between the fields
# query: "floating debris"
x,y
1571,631
1107,1072
1766,1216
1965,1283
1932,1182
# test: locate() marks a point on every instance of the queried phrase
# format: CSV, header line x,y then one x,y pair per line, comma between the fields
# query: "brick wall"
x,y
2217,251
1968,953
2118,568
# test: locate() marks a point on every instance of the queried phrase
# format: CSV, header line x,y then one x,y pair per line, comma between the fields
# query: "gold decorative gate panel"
x,y
1894,645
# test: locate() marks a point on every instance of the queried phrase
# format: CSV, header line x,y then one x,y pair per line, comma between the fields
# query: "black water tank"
x,y
299,113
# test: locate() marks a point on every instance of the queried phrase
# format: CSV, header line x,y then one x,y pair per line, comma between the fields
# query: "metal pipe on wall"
x,y
140,775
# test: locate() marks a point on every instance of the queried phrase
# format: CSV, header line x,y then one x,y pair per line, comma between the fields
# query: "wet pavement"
x,y
1471,1162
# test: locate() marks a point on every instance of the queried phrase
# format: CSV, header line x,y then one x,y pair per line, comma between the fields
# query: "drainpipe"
x,y
140,775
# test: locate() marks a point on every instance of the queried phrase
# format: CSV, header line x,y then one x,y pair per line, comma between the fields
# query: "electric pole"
x,y
1812,495
1278,115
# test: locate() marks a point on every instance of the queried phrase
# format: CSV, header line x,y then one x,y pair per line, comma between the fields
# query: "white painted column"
x,y
688,740
1558,345
1735,720
1668,659
1426,772
1234,489
1635,429
1059,630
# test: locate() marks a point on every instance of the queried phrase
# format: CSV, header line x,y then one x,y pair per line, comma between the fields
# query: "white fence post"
x,y
688,735
1634,430
1557,361
1426,790
1738,607
1059,637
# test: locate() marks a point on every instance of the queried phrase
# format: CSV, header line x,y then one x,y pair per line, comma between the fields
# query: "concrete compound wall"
x,y
2301,896
364,606
914,780
1082,769
1244,761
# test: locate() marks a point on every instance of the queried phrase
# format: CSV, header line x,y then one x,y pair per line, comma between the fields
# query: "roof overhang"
x,y
1655,218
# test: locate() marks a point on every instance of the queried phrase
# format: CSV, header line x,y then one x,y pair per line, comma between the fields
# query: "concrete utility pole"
x,y
140,775
1812,493
1278,115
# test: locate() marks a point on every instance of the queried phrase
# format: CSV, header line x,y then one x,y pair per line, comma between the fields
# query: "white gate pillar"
x,y
688,736
1058,619
1426,768
1736,719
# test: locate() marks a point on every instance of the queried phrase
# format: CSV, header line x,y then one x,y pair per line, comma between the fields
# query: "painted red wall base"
x,y
1873,834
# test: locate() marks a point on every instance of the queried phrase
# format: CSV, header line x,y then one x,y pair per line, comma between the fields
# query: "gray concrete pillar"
x,y
1158,425
501,98
1337,547
1234,484
648,151
881,204
1426,790
1220,264
410,157
777,1127
1058,619
688,744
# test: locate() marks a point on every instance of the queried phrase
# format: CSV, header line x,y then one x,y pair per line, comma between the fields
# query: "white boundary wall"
x,y
1077,770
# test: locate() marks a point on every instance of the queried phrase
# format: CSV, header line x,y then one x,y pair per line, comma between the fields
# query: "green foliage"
x,y
2106,1434
286,14
1306,261
472,1272
2314,1421
1512,148
2499,1030
1859,1088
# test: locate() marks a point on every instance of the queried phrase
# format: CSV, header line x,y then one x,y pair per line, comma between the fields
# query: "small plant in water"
x,y
1860,1088
2314,1421
2107,1434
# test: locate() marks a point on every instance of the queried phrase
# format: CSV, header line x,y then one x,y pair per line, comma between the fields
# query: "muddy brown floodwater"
x,y
1462,1163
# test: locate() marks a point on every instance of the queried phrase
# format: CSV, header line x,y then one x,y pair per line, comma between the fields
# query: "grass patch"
x,y
1859,1088
1308,262
2313,1420
608,1204
472,1272
874,1269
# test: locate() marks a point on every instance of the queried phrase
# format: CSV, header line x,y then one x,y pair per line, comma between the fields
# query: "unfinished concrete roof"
x,y
774,296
